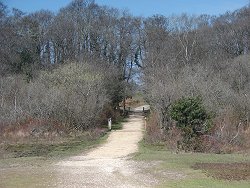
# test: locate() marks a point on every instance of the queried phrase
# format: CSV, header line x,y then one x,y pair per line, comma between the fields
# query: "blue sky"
x,y
140,7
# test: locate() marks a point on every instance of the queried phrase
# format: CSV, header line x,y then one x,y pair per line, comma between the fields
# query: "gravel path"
x,y
108,165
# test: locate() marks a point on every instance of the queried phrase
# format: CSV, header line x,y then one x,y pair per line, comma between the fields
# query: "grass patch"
x,y
67,147
183,164
119,125
26,172
26,177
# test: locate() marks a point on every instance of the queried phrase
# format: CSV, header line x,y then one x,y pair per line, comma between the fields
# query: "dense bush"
x,y
73,94
192,118
191,115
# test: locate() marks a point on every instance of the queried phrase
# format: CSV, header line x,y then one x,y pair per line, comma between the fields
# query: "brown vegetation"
x,y
226,171
70,68
206,57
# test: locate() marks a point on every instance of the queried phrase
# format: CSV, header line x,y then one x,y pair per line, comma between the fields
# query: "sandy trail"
x,y
108,165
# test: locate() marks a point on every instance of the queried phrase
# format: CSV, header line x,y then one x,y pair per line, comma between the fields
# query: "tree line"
x,y
101,41
193,58
54,65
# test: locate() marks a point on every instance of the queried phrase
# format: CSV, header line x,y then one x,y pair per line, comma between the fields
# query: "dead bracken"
x,y
225,171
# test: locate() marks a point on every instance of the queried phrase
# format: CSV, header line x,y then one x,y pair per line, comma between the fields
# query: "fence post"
x,y
109,124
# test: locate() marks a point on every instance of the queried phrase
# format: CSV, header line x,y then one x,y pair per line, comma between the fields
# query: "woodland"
x,y
70,71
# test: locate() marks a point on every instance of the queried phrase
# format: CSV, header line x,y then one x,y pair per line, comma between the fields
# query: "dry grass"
x,y
30,130
54,147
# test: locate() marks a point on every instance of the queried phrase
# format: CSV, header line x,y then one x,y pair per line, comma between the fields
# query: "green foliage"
x,y
192,117
25,65
115,90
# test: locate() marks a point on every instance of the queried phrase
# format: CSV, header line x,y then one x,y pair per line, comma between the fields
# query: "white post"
x,y
145,123
109,123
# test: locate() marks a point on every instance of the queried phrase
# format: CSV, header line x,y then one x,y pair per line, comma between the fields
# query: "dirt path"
x,y
108,165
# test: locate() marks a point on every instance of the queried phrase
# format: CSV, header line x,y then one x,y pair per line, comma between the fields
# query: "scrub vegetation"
x,y
62,75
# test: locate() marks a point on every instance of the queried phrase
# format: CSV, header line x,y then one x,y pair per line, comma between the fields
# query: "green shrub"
x,y
193,119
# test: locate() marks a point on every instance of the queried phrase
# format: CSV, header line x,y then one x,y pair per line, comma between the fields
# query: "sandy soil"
x,y
108,165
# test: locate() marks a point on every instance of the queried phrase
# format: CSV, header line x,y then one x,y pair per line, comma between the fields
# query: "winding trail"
x,y
108,165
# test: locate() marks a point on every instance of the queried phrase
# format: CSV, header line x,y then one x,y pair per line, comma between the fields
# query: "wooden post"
x,y
109,124
162,130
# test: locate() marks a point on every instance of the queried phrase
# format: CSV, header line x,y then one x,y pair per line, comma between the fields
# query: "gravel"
x,y
108,165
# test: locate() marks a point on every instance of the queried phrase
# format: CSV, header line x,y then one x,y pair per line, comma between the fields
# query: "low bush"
x,y
154,132
229,134
109,112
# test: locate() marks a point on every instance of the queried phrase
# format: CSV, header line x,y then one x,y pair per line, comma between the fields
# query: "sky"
x,y
144,8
